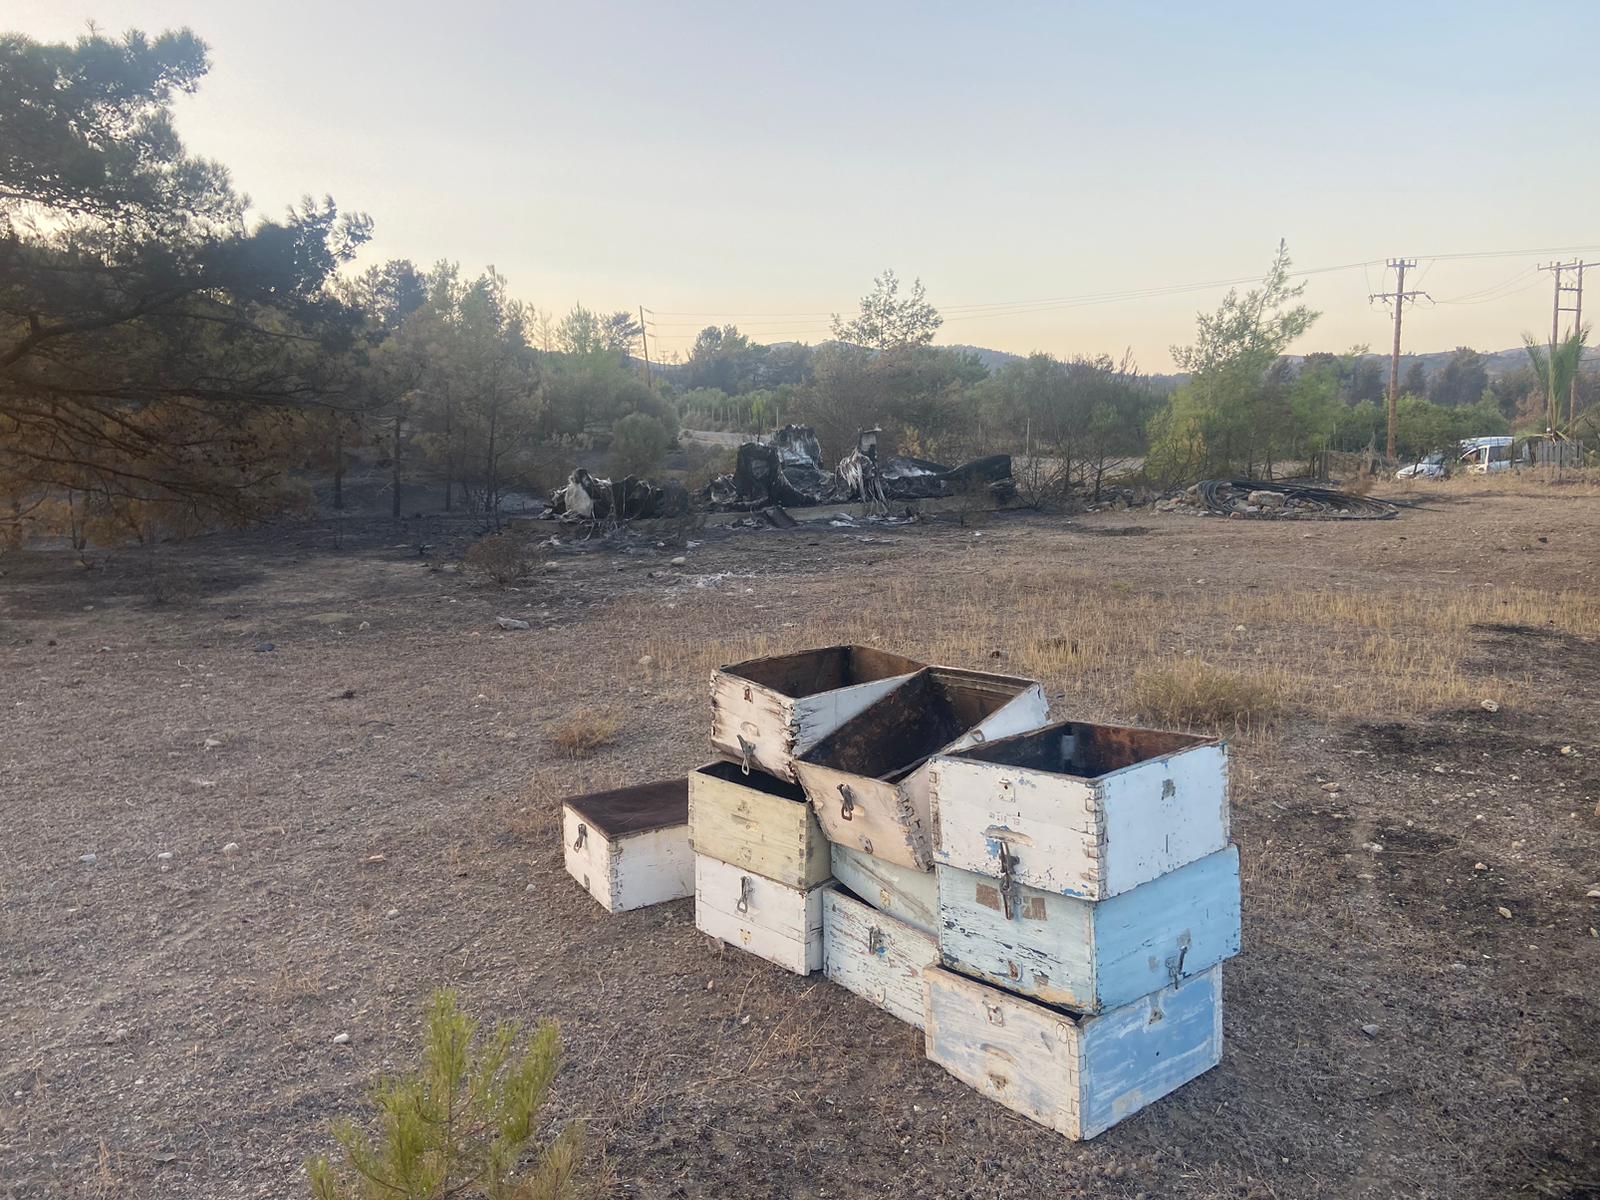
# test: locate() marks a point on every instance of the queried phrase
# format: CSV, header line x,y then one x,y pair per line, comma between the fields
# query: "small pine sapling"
x,y
461,1125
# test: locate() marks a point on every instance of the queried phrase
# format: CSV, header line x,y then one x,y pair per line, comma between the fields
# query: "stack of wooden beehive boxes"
x,y
1051,903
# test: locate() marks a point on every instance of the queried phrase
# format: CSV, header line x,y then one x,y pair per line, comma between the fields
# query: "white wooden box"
x,y
1078,1075
868,779
757,822
766,711
1080,809
875,956
781,924
629,847
905,893
1091,955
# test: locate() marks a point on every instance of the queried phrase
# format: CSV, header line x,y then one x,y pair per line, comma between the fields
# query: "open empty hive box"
x,y
868,779
1080,809
629,847
767,711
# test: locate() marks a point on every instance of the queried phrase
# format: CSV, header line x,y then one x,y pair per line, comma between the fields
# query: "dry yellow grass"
x,y
586,731
1337,653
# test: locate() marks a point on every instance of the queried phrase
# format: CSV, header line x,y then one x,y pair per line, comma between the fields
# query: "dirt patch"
x,y
167,1024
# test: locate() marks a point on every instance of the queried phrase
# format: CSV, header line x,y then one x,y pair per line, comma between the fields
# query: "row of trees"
x,y
167,361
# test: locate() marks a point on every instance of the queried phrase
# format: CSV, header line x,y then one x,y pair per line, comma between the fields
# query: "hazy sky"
x,y
760,163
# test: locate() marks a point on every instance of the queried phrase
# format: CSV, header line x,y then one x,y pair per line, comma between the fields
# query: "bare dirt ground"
x,y
387,773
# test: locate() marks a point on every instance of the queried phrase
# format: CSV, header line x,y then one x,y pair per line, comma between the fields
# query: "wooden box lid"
x,y
638,809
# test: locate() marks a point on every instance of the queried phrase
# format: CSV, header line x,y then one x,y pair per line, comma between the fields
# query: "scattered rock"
x,y
231,849
265,648
1370,1030
1332,788
392,913
341,1039
511,623
1568,751
1458,967
211,743
1267,499
647,661
364,625
1504,912
1489,706
1478,866
164,856
1592,894
88,860
677,562
551,565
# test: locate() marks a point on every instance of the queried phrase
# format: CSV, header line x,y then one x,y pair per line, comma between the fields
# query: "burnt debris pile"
x,y
1255,499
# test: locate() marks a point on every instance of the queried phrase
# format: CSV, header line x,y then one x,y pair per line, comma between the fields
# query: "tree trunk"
x,y
399,423
449,454
338,463
492,486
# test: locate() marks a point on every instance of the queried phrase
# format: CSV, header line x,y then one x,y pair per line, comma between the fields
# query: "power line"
x,y
1399,296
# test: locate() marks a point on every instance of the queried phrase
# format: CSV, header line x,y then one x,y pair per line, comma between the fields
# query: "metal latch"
x,y
875,941
1008,882
583,834
848,806
743,906
747,748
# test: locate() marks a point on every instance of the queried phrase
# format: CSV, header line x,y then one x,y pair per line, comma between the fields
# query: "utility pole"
x,y
1399,296
1557,308
644,342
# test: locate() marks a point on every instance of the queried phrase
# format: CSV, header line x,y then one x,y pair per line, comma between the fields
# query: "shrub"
x,y
1189,693
461,1124
638,443
500,558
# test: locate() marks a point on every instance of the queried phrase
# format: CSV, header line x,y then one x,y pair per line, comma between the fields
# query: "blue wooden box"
x,y
1091,955
1078,1075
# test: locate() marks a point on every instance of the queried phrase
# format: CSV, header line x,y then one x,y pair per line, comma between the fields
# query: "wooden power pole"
x,y
644,342
1399,296
1557,308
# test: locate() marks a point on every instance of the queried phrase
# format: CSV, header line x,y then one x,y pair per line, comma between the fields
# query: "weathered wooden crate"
x,y
903,892
766,711
1080,809
876,956
629,847
1078,1075
756,822
781,924
868,779
1091,955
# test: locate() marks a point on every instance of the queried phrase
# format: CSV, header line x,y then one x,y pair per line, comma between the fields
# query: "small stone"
x,y
647,661
88,860
1478,866
1238,628
1458,967
364,625
551,565
231,849
677,562
1568,751
1332,788
1592,894
392,913
710,984
1504,912
265,648
511,623
1370,1030
341,1039
1489,706
165,856
211,743
529,889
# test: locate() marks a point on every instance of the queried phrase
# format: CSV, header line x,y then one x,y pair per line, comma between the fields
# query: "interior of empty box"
x,y
811,671
890,738
1083,749
761,782
638,809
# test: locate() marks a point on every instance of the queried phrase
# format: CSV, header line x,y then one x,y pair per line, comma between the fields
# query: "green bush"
x,y
461,1124
638,443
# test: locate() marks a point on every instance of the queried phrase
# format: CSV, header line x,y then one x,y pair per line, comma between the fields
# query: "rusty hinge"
x,y
583,835
1175,963
746,748
743,905
847,807
875,941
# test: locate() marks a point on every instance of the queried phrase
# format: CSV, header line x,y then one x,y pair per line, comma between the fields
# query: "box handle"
x,y
847,807
583,834
875,940
747,749
743,906
1008,882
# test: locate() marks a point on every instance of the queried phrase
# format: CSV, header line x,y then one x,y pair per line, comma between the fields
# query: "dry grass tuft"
x,y
585,732
1191,694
